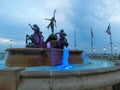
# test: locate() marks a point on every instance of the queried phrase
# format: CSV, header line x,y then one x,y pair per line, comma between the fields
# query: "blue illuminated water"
x,y
2,64
65,64
88,64
85,58
94,64
65,57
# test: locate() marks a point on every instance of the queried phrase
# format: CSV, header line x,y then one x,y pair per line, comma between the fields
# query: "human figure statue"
x,y
52,22
62,40
37,37
62,34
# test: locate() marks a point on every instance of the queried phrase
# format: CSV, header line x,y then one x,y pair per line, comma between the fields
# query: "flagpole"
x,y
92,36
75,38
92,44
111,45
108,31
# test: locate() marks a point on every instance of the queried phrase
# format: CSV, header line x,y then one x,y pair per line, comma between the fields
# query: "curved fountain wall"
x,y
15,78
97,79
27,57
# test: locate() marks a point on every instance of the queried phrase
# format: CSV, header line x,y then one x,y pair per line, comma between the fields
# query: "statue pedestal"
x,y
52,39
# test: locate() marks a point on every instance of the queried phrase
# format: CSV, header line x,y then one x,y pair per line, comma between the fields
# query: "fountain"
x,y
54,67
65,62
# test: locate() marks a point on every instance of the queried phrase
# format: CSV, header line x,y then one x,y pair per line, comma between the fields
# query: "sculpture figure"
x,y
62,41
52,22
36,38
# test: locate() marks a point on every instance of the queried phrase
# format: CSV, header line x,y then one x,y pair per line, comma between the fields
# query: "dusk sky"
x,y
80,15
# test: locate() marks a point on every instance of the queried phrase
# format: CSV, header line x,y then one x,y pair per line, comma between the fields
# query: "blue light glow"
x,y
65,62
95,64
85,58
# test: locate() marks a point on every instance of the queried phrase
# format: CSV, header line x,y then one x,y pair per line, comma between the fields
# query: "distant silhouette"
x,y
52,22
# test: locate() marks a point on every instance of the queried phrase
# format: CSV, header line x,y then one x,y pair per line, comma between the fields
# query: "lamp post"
x,y
115,48
104,49
10,43
94,51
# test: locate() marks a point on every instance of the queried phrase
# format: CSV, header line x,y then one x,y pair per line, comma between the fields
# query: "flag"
x,y
108,31
92,35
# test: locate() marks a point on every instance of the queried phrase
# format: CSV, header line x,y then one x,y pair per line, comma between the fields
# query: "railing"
x,y
104,56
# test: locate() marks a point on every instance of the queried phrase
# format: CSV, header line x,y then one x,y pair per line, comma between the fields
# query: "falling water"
x,y
65,57
65,62
85,58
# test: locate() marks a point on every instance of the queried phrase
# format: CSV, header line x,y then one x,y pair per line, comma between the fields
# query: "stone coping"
x,y
24,49
12,69
66,73
43,49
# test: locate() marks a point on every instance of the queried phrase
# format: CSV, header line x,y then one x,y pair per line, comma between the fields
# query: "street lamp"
x,y
10,43
115,48
104,49
94,50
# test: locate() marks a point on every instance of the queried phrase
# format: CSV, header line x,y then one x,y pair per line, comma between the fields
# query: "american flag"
x,y
108,31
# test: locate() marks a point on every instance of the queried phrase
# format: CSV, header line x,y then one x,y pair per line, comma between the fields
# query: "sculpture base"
x,y
29,57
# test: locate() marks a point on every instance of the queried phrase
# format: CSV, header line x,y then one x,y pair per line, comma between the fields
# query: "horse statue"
x,y
35,40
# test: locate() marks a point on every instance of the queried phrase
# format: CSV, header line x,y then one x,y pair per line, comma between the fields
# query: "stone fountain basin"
x,y
18,78
28,57
92,79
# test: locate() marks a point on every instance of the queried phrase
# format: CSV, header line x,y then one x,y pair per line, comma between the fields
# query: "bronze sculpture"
x,y
62,41
52,22
36,40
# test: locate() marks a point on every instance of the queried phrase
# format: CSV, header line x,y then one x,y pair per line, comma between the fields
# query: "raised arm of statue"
x,y
54,13
54,16
31,26
47,19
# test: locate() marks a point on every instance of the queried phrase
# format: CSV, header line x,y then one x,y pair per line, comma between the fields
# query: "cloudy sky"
x,y
80,15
